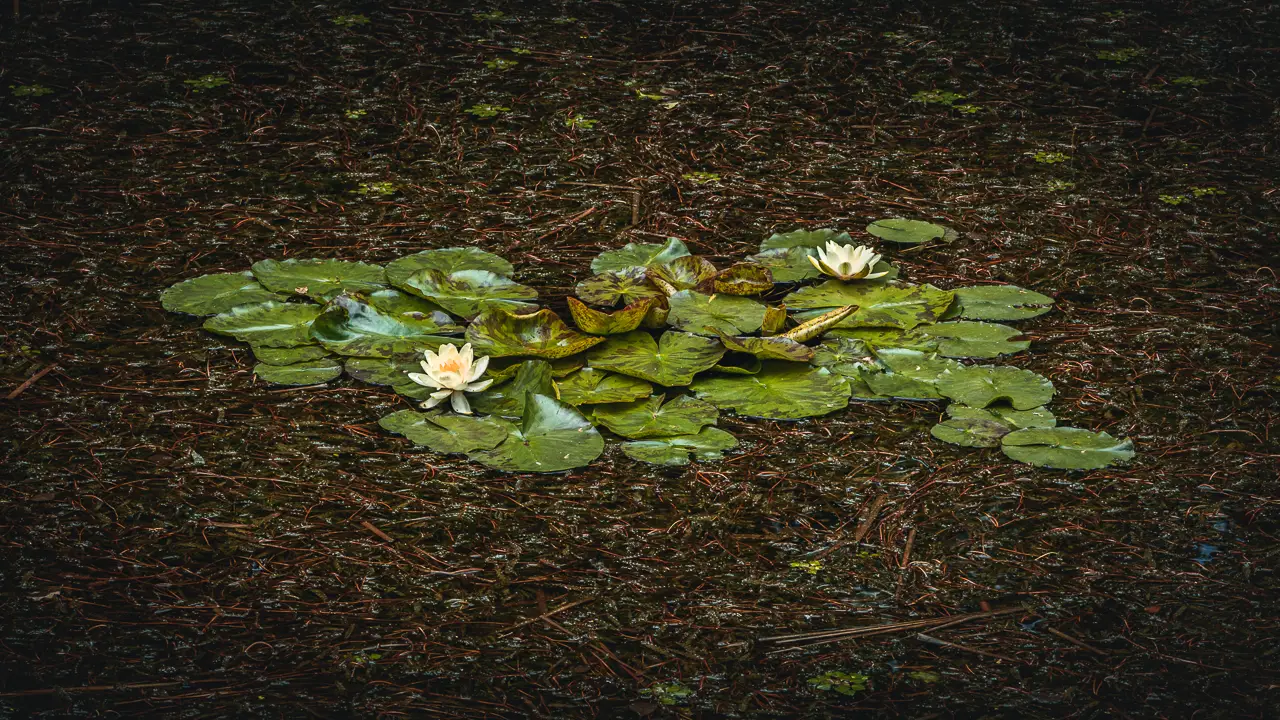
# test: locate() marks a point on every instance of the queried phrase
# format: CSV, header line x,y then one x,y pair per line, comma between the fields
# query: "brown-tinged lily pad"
x,y
543,334
768,348
743,279
686,273
611,288
610,323
895,306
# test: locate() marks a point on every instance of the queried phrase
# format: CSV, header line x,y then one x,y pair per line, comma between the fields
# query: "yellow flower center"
x,y
452,365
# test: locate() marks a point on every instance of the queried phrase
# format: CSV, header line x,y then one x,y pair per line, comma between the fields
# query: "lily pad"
x,y
907,232
467,293
701,314
805,239
877,338
447,260
783,391
980,386
970,432
396,302
787,264
551,437
508,399
268,324
1001,302
1066,448
385,370
1038,417
844,356
671,361
686,273
543,334
217,293
289,355
319,279
893,385
590,386
642,255
768,348
965,339
622,287
743,279
446,433
775,319
738,364
917,365
651,417
610,323
709,444
351,327
311,372
896,306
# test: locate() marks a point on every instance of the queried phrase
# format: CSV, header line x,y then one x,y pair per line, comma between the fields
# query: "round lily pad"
x,y
965,339
894,385
541,334
1038,417
268,324
447,260
671,361
787,264
844,356
467,293
384,370
651,417
641,255
508,398
877,338
397,302
701,314
622,287
610,323
685,273
768,348
907,232
1066,448
289,355
1001,302
349,326
709,444
743,279
319,279
213,294
894,306
447,433
311,372
590,386
980,386
551,437
783,391
805,239
925,367
970,432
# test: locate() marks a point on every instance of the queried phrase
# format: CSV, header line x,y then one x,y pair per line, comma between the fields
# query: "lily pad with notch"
x,y
467,293
608,289
709,444
652,417
268,324
447,433
981,385
895,306
909,232
701,314
768,348
787,265
1000,302
398,302
685,273
319,279
805,239
289,355
447,260
781,391
877,338
1038,417
844,356
610,323
508,398
633,255
590,386
966,339
349,326
1066,448
309,372
217,293
543,334
671,361
551,437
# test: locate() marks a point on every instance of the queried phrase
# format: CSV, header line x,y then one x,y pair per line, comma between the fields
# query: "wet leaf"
x,y
385,370
319,279
551,437
893,385
925,367
508,399
612,288
614,323
787,264
447,433
980,386
686,273
467,293
775,319
783,391
738,364
1039,417
907,232
289,355
844,356
543,334
743,279
590,386
348,326
965,339
641,255
768,348
709,444
310,372
701,314
213,294
805,239
268,324
970,432
1066,448
671,361
651,417
1001,302
447,260
876,338
395,302
895,306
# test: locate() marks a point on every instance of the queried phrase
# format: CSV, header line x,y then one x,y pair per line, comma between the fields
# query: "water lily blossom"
x,y
452,372
847,262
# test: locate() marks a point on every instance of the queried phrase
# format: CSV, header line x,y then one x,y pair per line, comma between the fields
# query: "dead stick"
x,y
566,224
906,552
370,527
43,371
104,688
869,518
1077,643
940,622
547,614
943,643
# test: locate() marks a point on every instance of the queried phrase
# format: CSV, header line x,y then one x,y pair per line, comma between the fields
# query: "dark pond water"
x,y
182,541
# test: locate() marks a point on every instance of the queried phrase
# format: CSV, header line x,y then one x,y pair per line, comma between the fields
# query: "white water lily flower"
x,y
847,262
452,372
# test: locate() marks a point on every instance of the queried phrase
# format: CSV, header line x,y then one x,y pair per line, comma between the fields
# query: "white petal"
x,y
460,404
431,402
478,386
815,262
873,276
424,380
468,356
478,369
442,394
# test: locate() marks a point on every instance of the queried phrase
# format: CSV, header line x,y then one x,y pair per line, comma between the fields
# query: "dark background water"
x,y
181,541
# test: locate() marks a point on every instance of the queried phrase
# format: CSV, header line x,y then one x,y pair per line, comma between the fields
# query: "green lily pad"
x,y
447,434
787,264
1001,302
671,361
844,356
1038,417
551,437
768,348
319,279
877,338
641,255
396,302
965,339
970,432
508,399
743,279
893,385
349,326
610,323
543,334
701,314
622,287
686,273
805,239
467,293
268,324
385,370
709,444
589,386
651,417
860,390
895,306
925,367
782,391
217,293
289,355
907,232
980,386
1066,448
447,260
738,364
311,372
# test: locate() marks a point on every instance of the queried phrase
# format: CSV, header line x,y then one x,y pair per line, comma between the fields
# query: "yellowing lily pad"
x,y
349,326
980,386
907,232
610,323
642,255
1066,448
268,324
782,391
551,437
964,339
709,444
743,279
213,294
686,273
447,260
318,279
1001,302
310,372
894,306
768,348
671,361
543,334
651,417
701,314
467,293
447,433
608,289
590,386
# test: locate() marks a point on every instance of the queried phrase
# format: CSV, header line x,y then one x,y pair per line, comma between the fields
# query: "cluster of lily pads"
x,y
664,342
